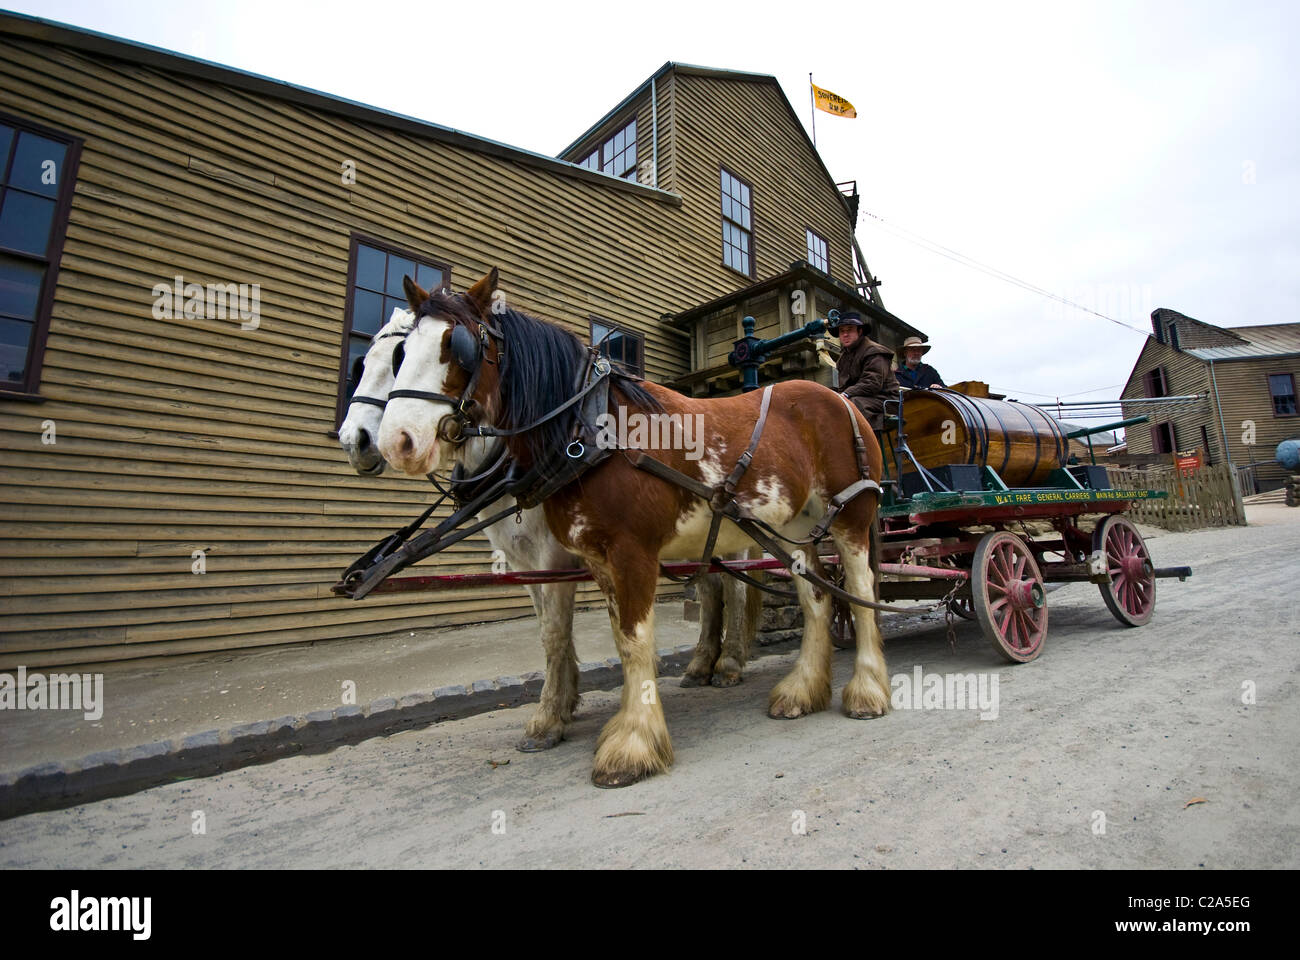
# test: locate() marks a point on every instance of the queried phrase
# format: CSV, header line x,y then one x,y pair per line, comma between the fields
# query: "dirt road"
x,y
1168,746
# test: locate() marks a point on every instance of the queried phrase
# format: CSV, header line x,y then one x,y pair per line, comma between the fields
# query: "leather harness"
x,y
530,487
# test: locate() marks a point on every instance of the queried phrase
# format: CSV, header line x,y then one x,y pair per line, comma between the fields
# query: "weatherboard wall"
x,y
176,437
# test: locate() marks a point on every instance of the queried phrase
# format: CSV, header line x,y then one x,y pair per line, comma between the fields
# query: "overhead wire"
x,y
937,248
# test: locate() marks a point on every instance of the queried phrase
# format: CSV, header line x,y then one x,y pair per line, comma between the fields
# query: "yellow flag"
x,y
832,103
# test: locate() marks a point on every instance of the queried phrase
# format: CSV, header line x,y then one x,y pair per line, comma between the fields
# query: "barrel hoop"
x,y
1038,443
1006,444
973,438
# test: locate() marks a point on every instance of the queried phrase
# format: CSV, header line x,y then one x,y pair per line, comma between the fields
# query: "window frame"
x,y
752,230
613,327
598,154
355,240
29,388
1159,428
1295,401
809,235
1149,385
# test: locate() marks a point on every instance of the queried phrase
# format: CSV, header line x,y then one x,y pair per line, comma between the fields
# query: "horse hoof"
x,y
862,715
692,680
538,744
726,679
613,779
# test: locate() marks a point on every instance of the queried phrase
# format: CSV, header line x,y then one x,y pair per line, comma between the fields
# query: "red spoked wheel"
x,y
1131,593
1009,596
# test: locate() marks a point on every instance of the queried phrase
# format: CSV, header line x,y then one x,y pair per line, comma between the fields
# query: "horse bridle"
x,y
469,352
375,401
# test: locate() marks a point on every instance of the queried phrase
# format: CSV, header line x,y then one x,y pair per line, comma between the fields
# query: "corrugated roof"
x,y
1265,340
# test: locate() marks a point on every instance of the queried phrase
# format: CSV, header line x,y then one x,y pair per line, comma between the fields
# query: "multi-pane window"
x,y
818,255
374,291
1281,387
616,156
37,172
621,346
737,224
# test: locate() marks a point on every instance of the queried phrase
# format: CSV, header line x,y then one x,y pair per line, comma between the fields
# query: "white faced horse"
x,y
526,545
529,545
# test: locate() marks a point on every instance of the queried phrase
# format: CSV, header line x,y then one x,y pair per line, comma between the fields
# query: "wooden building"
x,y
192,257
1249,375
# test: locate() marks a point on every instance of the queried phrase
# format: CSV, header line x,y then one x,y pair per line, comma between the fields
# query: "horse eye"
x,y
399,352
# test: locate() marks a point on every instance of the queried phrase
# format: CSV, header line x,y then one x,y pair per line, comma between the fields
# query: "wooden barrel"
x,y
1018,440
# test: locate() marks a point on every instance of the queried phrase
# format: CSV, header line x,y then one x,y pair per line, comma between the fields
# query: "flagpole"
x,y
812,102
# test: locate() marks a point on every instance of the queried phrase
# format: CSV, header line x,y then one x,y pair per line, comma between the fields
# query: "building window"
x,y
616,156
1156,382
1163,439
375,271
620,345
1281,387
818,255
38,169
737,224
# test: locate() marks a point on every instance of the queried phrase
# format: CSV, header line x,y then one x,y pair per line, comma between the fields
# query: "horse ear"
x,y
481,293
414,295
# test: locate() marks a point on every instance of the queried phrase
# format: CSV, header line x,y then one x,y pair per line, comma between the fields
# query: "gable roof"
x,y
692,70
105,45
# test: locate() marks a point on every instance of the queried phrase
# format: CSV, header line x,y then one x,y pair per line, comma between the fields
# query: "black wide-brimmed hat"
x,y
849,318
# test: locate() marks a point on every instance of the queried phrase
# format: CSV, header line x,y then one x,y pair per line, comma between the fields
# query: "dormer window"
x,y
616,156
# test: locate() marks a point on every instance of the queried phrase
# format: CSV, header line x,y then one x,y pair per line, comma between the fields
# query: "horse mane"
x,y
540,371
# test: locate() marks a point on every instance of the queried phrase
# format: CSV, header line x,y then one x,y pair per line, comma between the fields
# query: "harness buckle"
x,y
568,451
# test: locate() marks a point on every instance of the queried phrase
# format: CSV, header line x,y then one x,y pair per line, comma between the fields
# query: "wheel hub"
x,y
1026,594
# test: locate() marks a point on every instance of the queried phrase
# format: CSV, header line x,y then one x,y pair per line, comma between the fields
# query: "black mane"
x,y
540,371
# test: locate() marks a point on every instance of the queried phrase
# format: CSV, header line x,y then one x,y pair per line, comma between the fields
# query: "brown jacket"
x,y
867,378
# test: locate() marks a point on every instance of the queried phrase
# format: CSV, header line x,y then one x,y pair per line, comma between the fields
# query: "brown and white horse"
x,y
529,545
622,520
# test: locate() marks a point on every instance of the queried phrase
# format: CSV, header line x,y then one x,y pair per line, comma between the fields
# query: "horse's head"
x,y
359,432
448,379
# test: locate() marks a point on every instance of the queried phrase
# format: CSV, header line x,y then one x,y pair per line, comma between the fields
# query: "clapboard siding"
x,y
746,126
1243,399
178,434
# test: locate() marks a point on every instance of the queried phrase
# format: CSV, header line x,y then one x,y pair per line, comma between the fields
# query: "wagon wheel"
x,y
1131,593
1010,602
961,605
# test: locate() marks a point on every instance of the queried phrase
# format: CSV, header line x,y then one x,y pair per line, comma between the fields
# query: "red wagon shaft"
x,y
452,581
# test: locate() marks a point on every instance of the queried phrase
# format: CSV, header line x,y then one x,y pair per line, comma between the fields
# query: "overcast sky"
x,y
1125,156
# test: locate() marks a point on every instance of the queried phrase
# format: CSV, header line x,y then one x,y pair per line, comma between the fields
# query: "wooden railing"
x,y
1209,496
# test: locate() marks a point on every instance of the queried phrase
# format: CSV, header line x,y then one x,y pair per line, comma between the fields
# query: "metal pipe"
x,y
654,133
1223,431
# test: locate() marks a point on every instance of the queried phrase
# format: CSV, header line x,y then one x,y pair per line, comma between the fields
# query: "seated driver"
x,y
865,370
912,373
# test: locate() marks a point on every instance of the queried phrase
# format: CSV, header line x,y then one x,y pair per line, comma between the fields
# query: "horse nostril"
x,y
363,440
406,445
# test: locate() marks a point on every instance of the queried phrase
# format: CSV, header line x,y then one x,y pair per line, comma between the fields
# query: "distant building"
x,y
1249,374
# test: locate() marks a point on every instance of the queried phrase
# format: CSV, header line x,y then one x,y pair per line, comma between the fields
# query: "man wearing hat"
x,y
912,373
864,369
